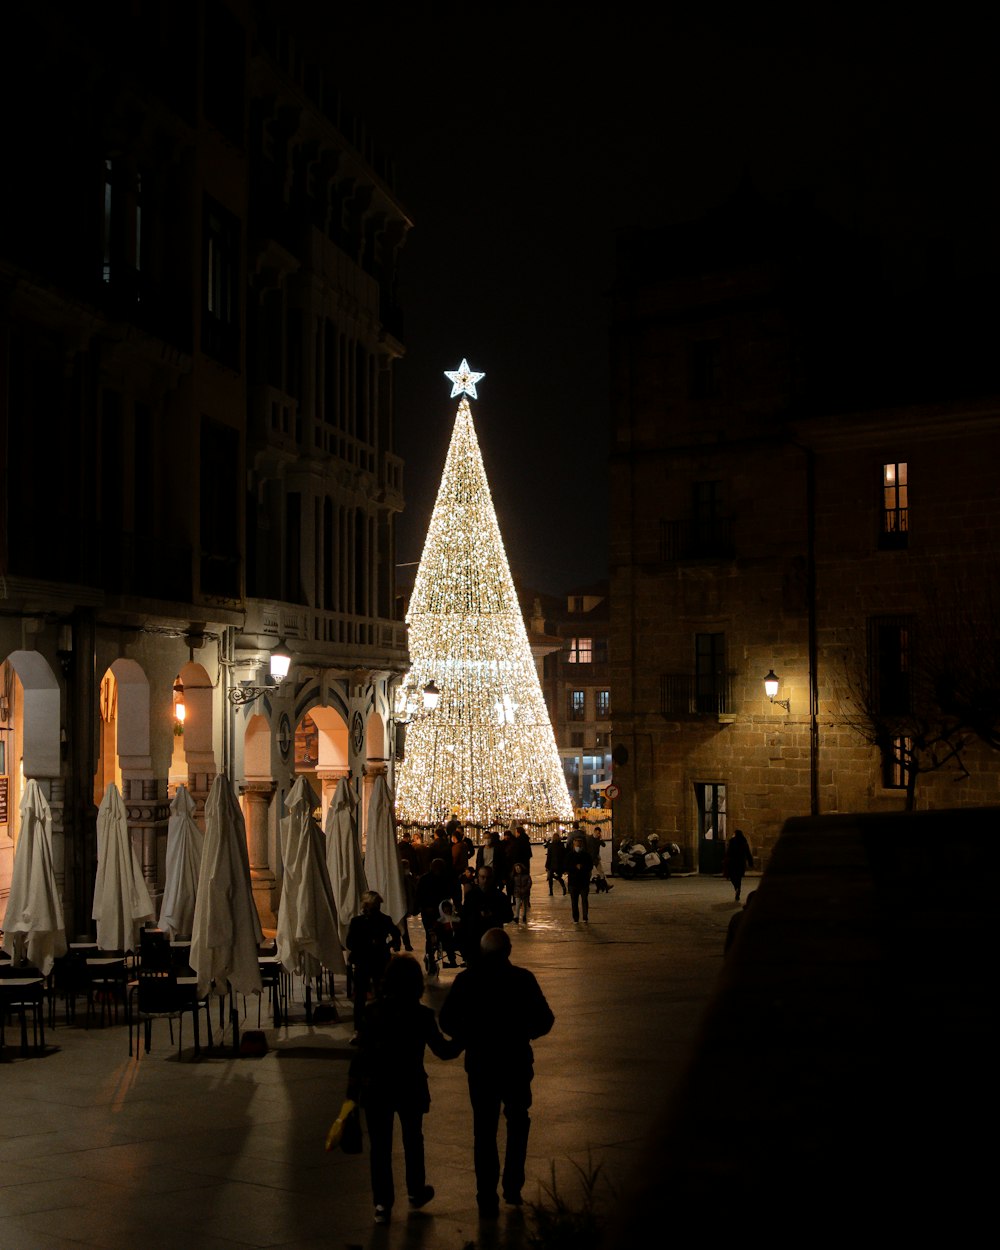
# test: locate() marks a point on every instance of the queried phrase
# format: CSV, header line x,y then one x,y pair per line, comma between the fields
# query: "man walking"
x,y
484,907
495,1010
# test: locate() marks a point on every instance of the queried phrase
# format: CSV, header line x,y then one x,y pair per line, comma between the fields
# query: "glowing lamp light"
x,y
771,689
281,659
180,710
431,696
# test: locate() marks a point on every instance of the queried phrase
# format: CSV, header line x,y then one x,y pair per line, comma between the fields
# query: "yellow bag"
x,y
337,1127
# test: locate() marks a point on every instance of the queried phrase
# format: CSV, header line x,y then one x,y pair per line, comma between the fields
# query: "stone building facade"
x,y
198,327
803,485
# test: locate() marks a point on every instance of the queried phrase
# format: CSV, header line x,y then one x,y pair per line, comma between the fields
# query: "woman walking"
x,y
737,860
387,1079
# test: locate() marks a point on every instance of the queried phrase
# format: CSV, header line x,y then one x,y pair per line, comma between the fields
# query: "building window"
x,y
576,738
710,685
890,662
577,705
581,651
896,757
220,305
220,509
895,526
705,369
603,711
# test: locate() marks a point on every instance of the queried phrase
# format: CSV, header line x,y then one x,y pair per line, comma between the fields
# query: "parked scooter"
x,y
645,859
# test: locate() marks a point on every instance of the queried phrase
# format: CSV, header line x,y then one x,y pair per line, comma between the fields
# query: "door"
x,y
711,799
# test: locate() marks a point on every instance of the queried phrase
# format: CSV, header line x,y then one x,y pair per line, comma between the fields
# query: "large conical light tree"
x,y
486,750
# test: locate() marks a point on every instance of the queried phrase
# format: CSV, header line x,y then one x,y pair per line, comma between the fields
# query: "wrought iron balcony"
x,y
693,694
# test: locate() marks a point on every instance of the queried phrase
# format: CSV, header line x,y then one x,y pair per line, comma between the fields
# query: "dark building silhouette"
x,y
198,327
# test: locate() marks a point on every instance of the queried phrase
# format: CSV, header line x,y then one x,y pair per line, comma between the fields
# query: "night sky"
x,y
525,137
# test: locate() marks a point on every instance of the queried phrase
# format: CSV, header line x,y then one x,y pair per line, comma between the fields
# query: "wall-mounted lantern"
x,y
771,689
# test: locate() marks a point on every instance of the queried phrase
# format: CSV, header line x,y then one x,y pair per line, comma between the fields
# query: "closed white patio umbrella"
x,y
33,925
121,899
226,934
185,842
307,936
383,871
343,857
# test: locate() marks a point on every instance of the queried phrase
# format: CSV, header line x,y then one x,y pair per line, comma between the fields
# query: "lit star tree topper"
x,y
463,380
487,750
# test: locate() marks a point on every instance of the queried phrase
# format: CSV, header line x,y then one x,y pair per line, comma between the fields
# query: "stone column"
x,y
148,815
372,769
257,796
328,779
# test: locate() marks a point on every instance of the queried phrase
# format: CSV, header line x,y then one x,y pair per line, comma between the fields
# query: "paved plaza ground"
x,y
100,1150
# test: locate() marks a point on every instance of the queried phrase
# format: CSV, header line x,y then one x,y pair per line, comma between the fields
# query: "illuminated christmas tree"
x,y
486,750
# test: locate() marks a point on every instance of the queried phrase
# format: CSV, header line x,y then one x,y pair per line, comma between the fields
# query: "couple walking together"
x,y
493,1011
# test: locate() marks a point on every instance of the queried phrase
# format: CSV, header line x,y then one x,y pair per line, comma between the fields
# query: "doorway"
x,y
711,799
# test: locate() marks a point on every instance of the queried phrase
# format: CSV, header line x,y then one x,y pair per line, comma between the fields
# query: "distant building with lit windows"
x,y
803,487
574,675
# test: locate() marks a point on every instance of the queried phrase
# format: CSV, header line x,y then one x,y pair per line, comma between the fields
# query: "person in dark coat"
x,y
738,859
485,907
579,866
440,847
492,855
555,861
387,1079
520,851
370,935
496,1010
436,885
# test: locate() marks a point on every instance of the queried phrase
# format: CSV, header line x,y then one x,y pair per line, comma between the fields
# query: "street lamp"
x,y
771,689
246,691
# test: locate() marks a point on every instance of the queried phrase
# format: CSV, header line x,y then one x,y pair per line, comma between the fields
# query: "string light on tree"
x,y
487,751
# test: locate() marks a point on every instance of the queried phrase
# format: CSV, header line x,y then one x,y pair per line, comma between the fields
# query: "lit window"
x,y
895,506
581,651
896,758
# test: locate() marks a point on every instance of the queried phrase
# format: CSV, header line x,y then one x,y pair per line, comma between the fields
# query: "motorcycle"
x,y
637,859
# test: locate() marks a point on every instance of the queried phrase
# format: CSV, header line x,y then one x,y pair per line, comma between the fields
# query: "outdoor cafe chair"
x,y
158,994
107,985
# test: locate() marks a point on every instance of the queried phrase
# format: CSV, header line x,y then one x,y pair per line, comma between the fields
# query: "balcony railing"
x,y
692,694
710,539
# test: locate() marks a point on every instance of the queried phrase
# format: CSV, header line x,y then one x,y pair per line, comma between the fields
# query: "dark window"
x,y
603,711
576,705
895,524
293,547
705,369
225,56
710,673
890,642
220,330
220,509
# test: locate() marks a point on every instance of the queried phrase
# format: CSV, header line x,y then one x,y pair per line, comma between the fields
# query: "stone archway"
x,y
29,748
124,757
193,762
